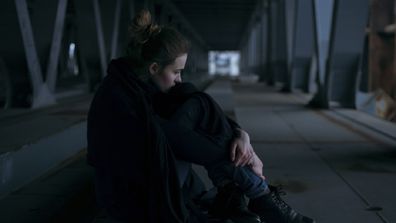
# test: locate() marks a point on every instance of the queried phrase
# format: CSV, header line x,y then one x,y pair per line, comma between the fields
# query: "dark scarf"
x,y
164,199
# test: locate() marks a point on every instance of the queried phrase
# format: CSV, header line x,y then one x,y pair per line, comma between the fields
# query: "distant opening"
x,y
72,64
224,63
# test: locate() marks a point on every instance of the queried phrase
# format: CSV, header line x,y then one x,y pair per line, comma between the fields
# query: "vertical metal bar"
x,y
263,39
30,47
270,77
320,98
290,18
116,26
101,44
53,59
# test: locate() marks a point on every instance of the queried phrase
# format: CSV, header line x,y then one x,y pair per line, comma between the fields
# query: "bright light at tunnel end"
x,y
224,63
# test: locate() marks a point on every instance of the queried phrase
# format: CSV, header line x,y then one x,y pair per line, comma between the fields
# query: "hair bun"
x,y
142,27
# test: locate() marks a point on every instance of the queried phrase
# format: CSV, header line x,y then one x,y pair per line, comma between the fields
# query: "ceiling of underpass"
x,y
221,23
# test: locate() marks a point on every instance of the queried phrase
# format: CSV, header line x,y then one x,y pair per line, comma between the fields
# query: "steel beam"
x,y
100,37
41,93
349,22
114,37
53,59
303,46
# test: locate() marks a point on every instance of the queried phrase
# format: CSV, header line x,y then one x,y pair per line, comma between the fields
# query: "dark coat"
x,y
136,177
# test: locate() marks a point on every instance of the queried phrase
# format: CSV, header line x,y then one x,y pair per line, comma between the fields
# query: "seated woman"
x,y
143,119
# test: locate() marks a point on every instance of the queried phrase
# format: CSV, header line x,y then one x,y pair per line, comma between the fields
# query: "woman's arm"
x,y
191,146
241,151
254,161
235,127
257,166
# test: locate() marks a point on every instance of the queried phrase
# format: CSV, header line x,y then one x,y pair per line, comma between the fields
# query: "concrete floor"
x,y
335,169
335,165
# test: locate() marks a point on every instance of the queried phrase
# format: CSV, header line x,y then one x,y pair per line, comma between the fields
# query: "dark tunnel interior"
x,y
302,92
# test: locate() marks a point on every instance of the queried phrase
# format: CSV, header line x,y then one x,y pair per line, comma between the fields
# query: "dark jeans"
x,y
190,146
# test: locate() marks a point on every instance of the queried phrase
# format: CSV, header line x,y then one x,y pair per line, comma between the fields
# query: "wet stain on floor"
x,y
292,186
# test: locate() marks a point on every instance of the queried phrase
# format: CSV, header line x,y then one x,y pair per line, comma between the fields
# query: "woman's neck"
x,y
153,85
142,74
145,77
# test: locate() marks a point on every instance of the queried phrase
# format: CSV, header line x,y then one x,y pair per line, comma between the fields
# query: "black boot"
x,y
272,209
230,204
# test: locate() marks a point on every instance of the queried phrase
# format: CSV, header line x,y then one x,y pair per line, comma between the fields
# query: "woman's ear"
x,y
154,68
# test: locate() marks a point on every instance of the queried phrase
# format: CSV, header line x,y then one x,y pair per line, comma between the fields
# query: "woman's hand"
x,y
241,150
257,166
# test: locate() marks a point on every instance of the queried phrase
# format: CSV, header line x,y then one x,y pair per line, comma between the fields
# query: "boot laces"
x,y
277,191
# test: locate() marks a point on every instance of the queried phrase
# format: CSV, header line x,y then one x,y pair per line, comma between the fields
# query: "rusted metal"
x,y
382,59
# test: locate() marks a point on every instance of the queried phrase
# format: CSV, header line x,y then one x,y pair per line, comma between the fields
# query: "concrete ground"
x,y
335,165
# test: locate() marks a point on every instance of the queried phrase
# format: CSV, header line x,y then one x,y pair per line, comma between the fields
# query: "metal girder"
x,y
263,40
41,93
303,45
280,51
114,38
53,59
349,20
323,13
30,47
168,4
100,37
290,14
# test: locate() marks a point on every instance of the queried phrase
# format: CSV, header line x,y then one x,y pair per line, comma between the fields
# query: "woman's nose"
x,y
178,79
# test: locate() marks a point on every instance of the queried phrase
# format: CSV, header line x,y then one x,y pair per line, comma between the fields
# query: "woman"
x,y
143,121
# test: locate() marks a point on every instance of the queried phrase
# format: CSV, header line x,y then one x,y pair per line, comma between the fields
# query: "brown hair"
x,y
150,42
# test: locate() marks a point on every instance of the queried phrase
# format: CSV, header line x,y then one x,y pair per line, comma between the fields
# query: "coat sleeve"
x,y
191,146
116,135
235,127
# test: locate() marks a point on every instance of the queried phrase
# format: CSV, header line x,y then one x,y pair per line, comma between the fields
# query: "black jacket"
x,y
136,179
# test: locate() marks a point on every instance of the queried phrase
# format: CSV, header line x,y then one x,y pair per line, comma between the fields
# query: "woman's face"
x,y
168,76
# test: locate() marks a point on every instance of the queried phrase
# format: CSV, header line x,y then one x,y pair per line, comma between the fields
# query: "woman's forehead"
x,y
180,61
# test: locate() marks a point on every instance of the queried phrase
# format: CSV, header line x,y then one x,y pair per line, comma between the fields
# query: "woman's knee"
x,y
189,113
